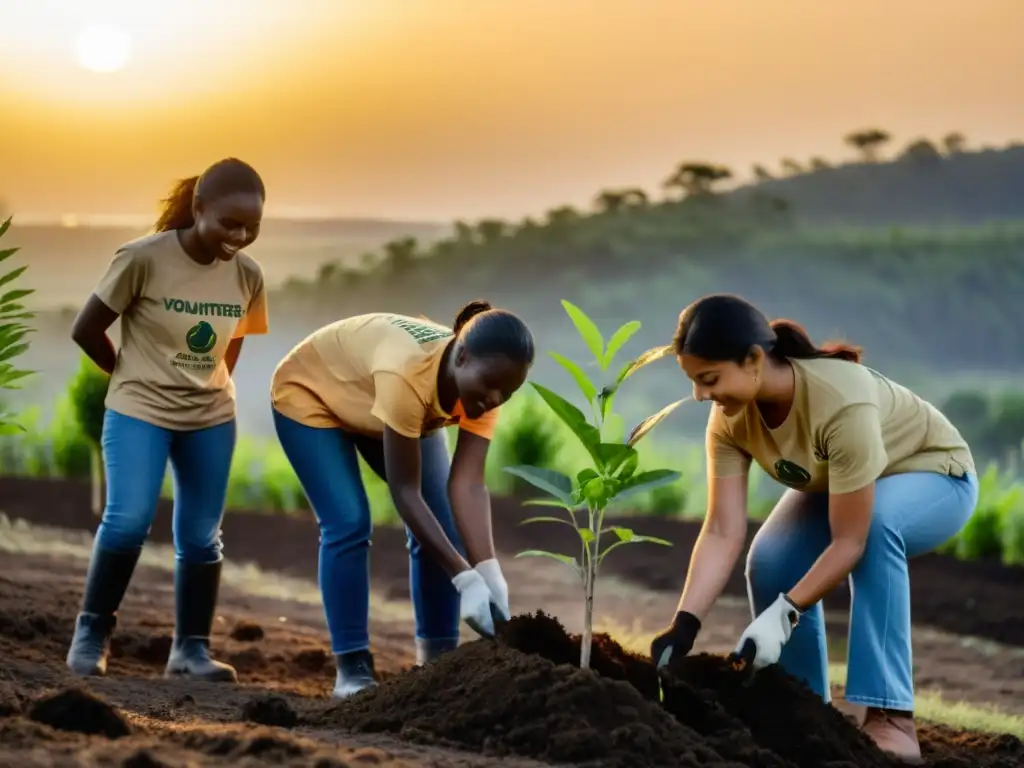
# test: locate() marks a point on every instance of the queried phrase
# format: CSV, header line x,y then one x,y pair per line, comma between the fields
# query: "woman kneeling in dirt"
x,y
187,296
875,475
382,386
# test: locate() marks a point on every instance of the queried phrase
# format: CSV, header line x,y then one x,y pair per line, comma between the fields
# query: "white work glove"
x,y
770,632
474,601
491,571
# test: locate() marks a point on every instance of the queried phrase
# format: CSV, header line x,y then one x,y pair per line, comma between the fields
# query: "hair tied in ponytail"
x,y
468,312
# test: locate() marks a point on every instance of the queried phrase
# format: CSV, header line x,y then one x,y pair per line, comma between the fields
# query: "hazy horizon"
x,y
431,111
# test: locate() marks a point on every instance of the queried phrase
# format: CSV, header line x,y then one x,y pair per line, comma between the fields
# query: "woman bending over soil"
x,y
187,296
382,386
875,475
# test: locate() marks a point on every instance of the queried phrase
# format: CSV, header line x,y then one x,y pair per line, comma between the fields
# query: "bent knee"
x,y
769,566
346,535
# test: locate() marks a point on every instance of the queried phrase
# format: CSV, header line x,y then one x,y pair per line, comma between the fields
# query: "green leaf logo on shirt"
x,y
791,474
201,338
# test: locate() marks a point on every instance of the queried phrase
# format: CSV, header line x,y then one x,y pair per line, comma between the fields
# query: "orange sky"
x,y
443,108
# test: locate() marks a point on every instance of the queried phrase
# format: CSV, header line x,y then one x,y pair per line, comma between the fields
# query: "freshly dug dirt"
x,y
526,696
270,710
513,703
77,710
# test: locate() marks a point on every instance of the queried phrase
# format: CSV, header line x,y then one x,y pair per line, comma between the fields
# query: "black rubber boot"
x,y
105,585
355,672
428,650
195,594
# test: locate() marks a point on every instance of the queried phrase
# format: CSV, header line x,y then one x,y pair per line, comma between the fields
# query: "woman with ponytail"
x,y
382,386
875,475
187,296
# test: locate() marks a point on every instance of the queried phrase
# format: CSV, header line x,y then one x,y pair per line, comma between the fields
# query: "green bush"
x,y
87,392
261,477
12,331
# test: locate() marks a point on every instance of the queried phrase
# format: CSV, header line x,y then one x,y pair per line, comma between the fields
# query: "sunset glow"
x,y
103,48
451,108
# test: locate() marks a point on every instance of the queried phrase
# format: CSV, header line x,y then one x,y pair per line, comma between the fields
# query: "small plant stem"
x,y
588,590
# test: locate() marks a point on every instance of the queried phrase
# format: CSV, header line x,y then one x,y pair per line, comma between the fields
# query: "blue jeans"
x,y
135,454
914,513
325,461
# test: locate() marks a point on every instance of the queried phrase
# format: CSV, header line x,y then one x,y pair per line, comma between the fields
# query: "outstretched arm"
x,y
402,465
470,499
856,457
718,546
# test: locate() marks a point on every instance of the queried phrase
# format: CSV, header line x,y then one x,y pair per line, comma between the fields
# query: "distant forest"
x,y
919,256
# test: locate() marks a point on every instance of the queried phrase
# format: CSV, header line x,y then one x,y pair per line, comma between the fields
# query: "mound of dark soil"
x,y
525,695
10,701
270,710
74,709
247,632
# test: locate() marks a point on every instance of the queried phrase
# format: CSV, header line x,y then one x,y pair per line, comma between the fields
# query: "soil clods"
x,y
525,695
77,710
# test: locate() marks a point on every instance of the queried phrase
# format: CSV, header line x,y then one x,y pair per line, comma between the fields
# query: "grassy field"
x,y
262,478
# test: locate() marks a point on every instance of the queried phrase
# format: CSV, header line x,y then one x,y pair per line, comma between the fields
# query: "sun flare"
x,y
103,48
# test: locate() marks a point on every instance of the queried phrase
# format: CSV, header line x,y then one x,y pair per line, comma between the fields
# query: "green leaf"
x,y
595,492
547,519
634,540
618,339
6,253
646,481
547,502
582,381
584,476
563,559
14,295
555,483
651,422
14,351
615,457
10,427
5,225
648,357
573,417
586,328
586,535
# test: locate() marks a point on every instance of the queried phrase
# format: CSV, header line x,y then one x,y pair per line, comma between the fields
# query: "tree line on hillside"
x,y
696,181
948,295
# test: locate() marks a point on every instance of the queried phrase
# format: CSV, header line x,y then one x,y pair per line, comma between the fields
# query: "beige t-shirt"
x,y
177,319
360,373
848,426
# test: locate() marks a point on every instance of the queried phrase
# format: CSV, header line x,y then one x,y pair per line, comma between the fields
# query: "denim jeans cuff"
x,y
902,705
351,647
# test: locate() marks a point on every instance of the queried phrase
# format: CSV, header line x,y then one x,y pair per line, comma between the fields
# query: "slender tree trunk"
x,y
588,616
96,475
586,640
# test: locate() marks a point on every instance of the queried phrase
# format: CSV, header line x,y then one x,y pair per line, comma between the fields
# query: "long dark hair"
x,y
484,331
722,326
225,177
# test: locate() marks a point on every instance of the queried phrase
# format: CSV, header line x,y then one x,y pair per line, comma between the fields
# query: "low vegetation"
x,y
262,479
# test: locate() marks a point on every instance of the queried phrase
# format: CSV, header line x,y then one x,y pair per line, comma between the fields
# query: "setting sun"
x,y
103,48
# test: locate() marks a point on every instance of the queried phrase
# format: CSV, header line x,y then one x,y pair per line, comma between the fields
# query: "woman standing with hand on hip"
x,y
187,296
875,475
382,386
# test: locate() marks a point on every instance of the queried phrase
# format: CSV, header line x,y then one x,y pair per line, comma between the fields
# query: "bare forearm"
x,y
834,565
471,506
427,531
100,350
711,564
